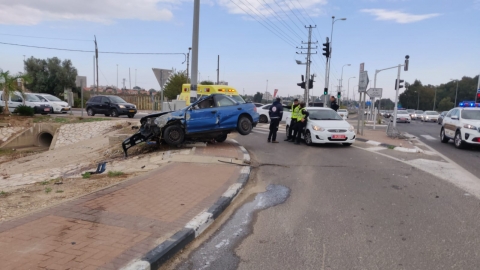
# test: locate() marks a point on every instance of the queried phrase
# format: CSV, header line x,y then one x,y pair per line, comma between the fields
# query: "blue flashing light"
x,y
461,104
468,104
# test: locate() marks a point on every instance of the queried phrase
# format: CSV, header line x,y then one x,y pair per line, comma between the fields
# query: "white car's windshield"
x,y
324,115
32,98
52,98
432,113
417,112
402,112
471,114
342,110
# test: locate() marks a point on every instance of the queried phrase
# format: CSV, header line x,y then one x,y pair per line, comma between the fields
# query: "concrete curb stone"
x,y
390,146
160,254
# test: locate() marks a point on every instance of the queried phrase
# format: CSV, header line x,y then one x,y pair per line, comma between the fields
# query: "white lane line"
x,y
428,137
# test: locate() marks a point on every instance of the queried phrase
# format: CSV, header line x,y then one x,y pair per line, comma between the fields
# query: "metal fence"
x,y
143,102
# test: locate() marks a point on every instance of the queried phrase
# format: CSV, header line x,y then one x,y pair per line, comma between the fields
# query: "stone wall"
x,y
8,132
73,133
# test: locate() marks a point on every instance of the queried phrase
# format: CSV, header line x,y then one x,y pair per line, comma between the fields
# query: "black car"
x,y
440,118
110,106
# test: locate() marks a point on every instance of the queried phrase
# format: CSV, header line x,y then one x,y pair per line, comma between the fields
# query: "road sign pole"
x,y
363,110
359,113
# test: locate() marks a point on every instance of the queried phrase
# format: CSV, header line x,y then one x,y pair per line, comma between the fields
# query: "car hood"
x,y
472,122
59,103
330,123
161,119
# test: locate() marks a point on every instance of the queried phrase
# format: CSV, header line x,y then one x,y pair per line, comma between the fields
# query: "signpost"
x,y
363,82
162,76
362,88
374,92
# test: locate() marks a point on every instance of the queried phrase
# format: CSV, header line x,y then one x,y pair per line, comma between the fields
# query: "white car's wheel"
x,y
308,138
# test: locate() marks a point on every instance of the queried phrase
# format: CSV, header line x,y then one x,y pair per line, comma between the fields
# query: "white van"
x,y
59,106
16,100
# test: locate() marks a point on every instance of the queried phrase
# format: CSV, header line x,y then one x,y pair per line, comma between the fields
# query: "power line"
x,y
264,25
89,40
289,15
280,19
85,51
268,20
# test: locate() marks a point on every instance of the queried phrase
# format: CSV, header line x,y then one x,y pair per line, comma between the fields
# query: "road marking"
x,y
428,137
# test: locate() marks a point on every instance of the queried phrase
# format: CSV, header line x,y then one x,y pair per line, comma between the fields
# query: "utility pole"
x,y
117,76
218,70
266,91
129,78
195,42
308,53
96,55
124,83
135,77
94,91
188,61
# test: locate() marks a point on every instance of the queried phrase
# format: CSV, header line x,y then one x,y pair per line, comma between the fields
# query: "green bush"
x,y
24,110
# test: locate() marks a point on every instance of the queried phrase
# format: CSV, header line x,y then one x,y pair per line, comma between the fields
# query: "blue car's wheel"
x,y
244,125
174,135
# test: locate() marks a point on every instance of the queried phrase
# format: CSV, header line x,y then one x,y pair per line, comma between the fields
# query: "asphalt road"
x,y
429,133
347,208
79,113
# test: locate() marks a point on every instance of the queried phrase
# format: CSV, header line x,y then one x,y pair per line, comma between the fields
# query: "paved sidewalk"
x,y
110,228
380,135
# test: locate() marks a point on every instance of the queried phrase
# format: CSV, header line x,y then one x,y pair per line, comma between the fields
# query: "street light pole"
x,y
456,93
418,99
188,61
341,78
348,91
330,58
117,76
435,99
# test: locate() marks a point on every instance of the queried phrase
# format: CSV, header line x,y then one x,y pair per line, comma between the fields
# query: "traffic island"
x,y
140,222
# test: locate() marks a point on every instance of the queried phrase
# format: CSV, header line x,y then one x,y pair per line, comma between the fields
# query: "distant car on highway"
x,y
402,117
417,115
440,118
430,116
410,112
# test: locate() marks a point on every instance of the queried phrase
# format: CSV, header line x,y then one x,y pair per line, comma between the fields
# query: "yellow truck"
x,y
206,90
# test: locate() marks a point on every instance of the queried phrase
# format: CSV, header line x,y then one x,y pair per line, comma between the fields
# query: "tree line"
x,y
422,97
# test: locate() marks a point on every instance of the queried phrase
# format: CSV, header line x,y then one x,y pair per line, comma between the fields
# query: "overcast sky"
x,y
256,39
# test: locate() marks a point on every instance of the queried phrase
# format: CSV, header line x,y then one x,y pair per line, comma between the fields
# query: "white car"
x,y
265,118
59,106
462,125
16,99
343,113
324,125
430,116
402,117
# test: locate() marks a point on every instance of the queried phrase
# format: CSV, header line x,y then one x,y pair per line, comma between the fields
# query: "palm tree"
x,y
8,84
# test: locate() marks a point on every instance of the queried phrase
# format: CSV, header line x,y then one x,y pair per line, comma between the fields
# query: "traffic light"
x,y
399,85
339,94
325,91
405,67
326,49
310,83
302,85
478,97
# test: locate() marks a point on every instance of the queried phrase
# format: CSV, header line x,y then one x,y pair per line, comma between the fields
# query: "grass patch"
x,y
86,175
59,191
115,174
44,183
391,147
3,194
6,152
48,190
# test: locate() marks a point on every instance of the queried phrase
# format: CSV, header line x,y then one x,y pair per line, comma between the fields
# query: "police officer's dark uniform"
x,y
333,104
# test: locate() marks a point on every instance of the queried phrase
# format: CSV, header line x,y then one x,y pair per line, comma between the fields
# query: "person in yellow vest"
x,y
301,123
293,120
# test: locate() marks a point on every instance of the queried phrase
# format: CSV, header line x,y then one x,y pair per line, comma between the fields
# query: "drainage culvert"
x,y
45,139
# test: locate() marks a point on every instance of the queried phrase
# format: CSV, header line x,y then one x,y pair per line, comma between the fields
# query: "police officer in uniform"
x,y
293,120
333,103
301,123
275,113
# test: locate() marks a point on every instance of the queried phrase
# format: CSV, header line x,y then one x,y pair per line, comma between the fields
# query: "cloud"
x,y
398,16
271,8
31,12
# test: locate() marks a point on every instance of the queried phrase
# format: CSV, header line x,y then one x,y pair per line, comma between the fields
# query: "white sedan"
x,y
59,106
264,116
324,125
343,113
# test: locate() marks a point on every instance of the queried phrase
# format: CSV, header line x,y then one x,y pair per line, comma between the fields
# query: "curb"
x,y
390,146
161,253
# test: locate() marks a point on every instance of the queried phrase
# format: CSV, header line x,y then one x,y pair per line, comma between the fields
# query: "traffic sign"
x,y
374,92
363,81
368,103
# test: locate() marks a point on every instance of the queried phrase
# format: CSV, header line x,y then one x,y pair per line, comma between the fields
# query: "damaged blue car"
x,y
210,118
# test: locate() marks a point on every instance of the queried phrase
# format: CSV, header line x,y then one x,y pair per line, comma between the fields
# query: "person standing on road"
x,y
293,120
333,103
301,123
276,113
